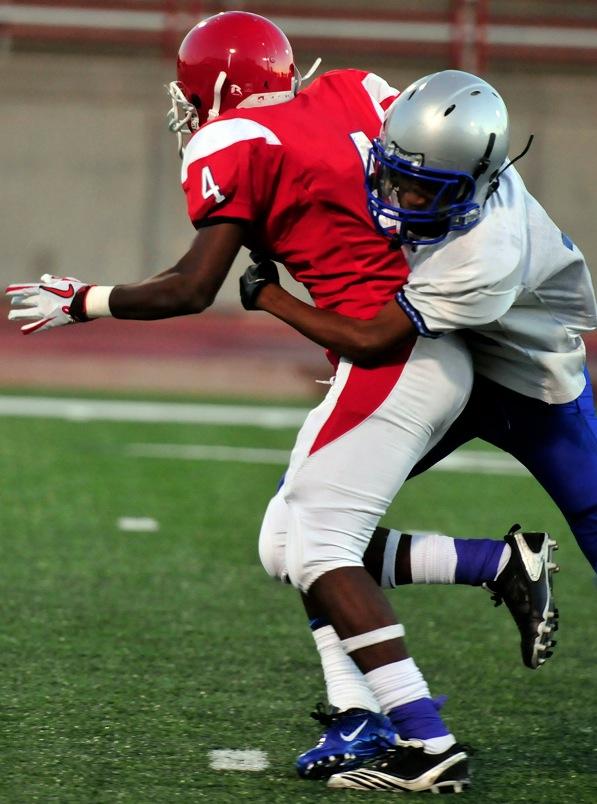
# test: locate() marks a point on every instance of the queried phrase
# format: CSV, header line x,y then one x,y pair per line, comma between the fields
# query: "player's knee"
x,y
272,539
303,574
313,551
272,554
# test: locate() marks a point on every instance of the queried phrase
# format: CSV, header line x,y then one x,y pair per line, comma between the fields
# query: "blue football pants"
x,y
556,443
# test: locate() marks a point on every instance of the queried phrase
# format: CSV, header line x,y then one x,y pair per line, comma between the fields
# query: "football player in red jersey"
x,y
274,170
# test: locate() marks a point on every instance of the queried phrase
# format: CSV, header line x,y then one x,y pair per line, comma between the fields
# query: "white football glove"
x,y
47,303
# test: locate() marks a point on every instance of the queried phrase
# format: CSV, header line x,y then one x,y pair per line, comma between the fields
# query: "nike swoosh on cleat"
x,y
348,737
533,562
64,294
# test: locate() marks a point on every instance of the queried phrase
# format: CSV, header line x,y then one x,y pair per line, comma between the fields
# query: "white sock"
x,y
346,686
401,683
397,683
437,745
433,558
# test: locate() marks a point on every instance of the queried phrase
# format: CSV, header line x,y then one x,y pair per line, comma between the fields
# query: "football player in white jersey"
x,y
242,188
486,259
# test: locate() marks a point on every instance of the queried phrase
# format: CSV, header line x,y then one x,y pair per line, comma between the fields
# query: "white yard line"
x,y
206,452
476,461
231,759
85,410
485,463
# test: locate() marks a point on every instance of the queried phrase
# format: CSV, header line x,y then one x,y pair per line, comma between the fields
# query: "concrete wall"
x,y
89,173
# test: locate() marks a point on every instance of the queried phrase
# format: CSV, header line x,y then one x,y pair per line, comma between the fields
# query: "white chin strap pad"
x,y
215,109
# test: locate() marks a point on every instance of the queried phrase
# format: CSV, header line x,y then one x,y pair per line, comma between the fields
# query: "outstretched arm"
x,y
188,287
360,341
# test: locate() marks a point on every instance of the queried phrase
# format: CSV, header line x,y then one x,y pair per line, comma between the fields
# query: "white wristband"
x,y
96,301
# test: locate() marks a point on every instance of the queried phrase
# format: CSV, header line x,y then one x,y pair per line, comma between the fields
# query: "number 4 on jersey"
x,y
209,187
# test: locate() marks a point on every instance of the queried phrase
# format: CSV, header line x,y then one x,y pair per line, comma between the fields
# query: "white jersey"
x,y
518,285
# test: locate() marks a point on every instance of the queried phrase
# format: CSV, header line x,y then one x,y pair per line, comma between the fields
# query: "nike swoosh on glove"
x,y
52,302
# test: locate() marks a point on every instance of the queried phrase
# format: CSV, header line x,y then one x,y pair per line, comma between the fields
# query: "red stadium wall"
x,y
234,354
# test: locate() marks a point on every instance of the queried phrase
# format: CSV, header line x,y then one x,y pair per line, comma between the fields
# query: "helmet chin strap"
x,y
215,109
312,69
484,162
298,78
496,181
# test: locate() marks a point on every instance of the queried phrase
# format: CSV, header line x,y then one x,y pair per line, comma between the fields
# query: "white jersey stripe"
x,y
221,134
378,90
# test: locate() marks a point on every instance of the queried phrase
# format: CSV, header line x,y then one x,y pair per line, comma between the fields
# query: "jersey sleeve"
x,y
228,171
380,92
465,284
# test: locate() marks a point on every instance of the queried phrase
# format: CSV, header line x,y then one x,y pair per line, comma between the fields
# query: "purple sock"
x,y
418,719
477,560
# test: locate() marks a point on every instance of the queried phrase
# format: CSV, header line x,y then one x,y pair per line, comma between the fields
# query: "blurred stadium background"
x,y
90,174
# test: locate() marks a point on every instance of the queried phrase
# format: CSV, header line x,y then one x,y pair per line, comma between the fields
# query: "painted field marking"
x,y
486,463
200,452
138,524
85,410
476,461
231,759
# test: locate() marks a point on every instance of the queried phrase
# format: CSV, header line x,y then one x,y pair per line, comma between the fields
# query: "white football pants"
x,y
354,452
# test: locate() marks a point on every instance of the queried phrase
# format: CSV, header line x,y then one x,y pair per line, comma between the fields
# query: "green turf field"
x,y
127,657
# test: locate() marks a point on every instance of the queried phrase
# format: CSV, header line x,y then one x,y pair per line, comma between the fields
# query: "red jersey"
x,y
296,171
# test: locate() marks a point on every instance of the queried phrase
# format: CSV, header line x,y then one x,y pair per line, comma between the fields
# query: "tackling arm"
x,y
362,341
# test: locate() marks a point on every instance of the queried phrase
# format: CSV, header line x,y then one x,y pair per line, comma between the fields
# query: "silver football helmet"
x,y
443,142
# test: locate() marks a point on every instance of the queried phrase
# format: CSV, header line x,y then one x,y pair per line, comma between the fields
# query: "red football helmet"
x,y
231,60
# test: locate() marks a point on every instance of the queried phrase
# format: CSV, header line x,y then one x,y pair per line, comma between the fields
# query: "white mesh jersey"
x,y
520,288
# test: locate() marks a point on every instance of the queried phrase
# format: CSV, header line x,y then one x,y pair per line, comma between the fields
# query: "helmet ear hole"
x,y
196,101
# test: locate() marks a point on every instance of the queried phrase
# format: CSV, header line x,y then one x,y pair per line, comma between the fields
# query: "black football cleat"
x,y
408,768
525,586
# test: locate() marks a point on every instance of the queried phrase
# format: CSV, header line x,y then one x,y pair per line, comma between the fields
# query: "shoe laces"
x,y
330,715
324,715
